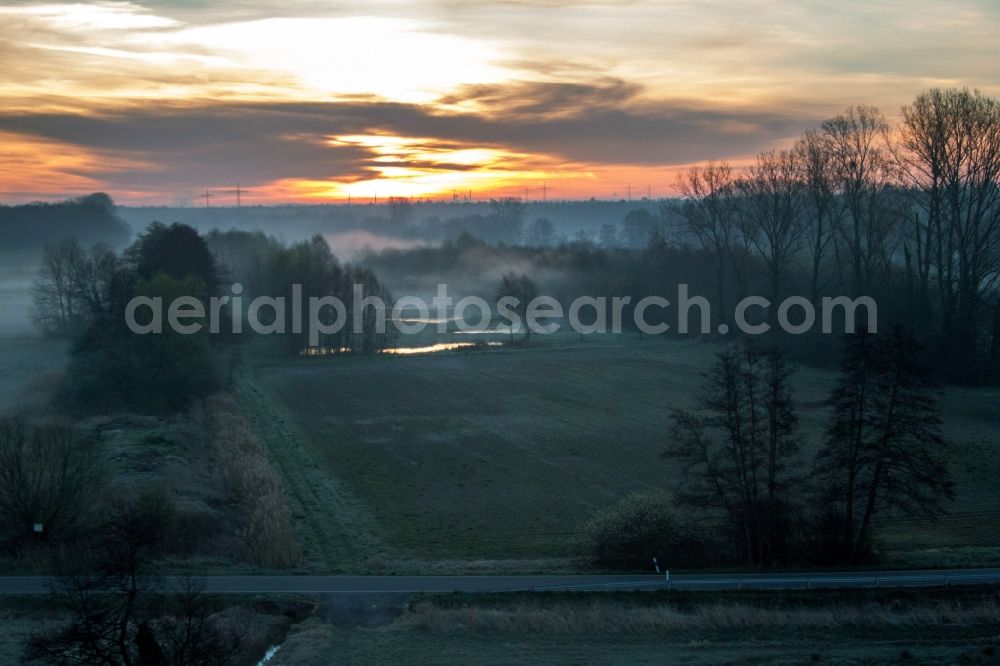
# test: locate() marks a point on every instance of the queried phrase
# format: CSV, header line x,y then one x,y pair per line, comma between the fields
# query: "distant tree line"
x,y
90,219
909,215
265,267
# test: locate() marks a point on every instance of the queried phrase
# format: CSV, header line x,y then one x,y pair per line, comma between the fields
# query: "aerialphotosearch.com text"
x,y
328,315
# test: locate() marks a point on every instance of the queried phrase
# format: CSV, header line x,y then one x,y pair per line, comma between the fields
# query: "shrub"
x,y
631,533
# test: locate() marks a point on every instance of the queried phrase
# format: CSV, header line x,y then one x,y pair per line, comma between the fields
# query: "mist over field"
x,y
15,303
715,378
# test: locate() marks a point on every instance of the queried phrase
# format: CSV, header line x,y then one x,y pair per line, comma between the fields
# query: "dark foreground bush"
x,y
640,527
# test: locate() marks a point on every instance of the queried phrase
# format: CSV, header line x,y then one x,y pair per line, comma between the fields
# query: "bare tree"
x,y
541,233
608,236
507,217
524,290
400,211
950,152
49,476
736,447
884,449
72,286
709,209
862,163
771,207
373,332
120,614
637,226
814,154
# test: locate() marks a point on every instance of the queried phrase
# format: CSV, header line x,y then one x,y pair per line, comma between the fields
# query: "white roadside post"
x,y
667,577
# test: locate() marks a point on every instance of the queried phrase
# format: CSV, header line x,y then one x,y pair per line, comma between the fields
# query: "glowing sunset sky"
x,y
313,101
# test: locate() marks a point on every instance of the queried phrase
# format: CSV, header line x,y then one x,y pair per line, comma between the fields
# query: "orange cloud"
x,y
33,168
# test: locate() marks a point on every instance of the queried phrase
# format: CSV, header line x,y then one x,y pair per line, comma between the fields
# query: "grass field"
x,y
866,628
323,645
28,366
505,453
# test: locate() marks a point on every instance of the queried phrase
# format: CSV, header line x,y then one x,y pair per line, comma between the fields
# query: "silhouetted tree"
x,y
123,615
736,447
400,212
608,236
243,256
369,335
884,449
312,265
771,214
861,159
541,233
951,156
507,219
49,476
708,208
71,287
112,368
813,153
637,225
522,288
176,250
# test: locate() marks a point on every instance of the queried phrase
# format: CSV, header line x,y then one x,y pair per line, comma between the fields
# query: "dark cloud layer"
x,y
607,122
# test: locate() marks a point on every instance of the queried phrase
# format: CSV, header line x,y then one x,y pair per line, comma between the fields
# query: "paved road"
x,y
412,584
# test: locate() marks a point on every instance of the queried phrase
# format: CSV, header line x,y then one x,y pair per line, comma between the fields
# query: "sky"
x,y
159,102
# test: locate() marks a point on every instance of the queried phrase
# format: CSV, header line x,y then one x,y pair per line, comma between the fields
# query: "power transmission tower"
x,y
206,196
239,191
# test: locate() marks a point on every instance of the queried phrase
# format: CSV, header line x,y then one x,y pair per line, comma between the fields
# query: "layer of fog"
x,y
15,301
429,222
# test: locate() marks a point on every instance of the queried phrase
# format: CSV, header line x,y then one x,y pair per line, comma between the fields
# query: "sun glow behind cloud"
x,y
422,167
396,59
86,18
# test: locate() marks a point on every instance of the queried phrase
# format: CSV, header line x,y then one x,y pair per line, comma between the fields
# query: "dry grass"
x,y
619,618
253,486
871,627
